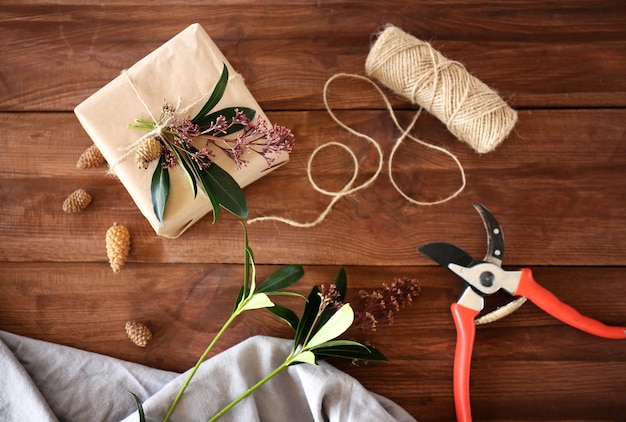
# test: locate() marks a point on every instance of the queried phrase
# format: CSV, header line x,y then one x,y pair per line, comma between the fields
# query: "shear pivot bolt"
x,y
487,278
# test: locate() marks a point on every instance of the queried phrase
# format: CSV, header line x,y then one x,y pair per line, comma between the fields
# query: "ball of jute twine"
x,y
412,68
471,110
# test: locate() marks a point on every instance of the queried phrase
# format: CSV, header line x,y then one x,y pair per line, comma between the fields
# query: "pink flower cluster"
x,y
259,138
380,305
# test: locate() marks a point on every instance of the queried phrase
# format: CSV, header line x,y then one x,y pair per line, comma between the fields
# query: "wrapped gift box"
x,y
183,70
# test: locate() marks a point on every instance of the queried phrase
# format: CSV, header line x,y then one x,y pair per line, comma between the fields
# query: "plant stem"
x,y
252,389
315,321
195,368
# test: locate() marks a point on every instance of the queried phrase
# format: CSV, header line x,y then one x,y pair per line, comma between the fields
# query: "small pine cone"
x,y
147,151
92,157
76,201
138,333
118,246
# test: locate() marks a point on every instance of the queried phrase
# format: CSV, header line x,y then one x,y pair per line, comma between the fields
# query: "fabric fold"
x,y
41,381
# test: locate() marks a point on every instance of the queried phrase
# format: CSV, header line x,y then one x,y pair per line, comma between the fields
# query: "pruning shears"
x,y
486,277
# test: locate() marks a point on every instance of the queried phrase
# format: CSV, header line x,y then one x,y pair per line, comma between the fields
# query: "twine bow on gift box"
x,y
176,136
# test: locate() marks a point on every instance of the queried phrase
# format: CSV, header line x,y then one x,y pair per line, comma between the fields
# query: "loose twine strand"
x,y
412,68
348,189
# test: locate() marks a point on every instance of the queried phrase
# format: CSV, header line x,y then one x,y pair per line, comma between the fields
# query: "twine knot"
x,y
159,123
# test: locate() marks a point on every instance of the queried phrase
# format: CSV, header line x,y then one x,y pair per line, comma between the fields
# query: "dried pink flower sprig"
x,y
331,296
255,137
380,305
175,140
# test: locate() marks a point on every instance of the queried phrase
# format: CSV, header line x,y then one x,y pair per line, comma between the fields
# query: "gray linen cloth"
x,y
41,381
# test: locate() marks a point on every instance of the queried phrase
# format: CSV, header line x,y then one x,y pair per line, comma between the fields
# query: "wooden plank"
x,y
556,186
584,70
526,365
561,174
519,391
84,303
238,19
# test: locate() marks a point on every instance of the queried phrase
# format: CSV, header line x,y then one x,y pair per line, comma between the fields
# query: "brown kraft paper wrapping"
x,y
185,69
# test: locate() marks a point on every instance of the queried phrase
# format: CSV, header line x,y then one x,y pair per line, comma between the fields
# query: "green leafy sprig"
x,y
177,140
323,320
325,317
250,297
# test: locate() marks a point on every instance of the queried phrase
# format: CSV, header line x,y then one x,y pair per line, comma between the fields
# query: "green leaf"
x,y
216,95
286,315
221,189
341,284
248,260
348,349
336,326
258,301
252,284
340,343
189,172
226,190
282,278
308,316
285,293
306,357
229,112
160,189
207,187
240,297
142,416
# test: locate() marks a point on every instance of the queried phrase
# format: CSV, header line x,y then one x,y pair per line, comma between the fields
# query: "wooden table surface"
x,y
557,185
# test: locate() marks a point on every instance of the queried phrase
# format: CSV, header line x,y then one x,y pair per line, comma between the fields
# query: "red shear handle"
x,y
547,301
465,333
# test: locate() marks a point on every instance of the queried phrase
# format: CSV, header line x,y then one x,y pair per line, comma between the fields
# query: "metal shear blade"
x,y
495,236
446,254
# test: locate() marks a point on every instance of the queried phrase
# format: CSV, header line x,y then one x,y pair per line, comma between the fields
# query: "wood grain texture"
x,y
528,360
578,50
557,185
541,177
